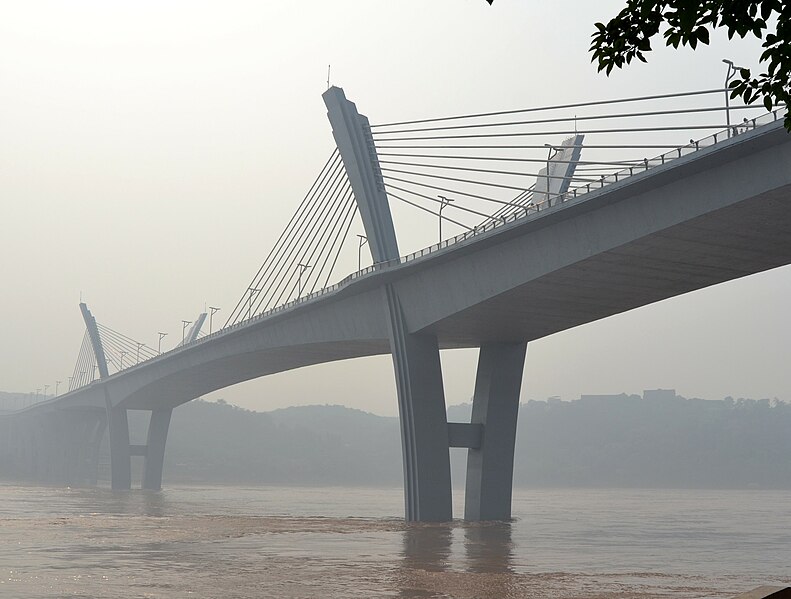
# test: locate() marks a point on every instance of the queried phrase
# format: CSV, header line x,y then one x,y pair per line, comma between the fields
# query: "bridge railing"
x,y
681,151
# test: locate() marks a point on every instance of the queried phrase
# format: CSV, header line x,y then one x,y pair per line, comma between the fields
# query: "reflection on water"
x,y
488,547
249,543
486,569
427,546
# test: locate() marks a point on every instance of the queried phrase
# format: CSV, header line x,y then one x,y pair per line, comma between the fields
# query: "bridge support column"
x,y
423,420
495,408
421,398
158,427
120,451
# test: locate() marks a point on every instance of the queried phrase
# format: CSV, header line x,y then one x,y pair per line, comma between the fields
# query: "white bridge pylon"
x,y
426,436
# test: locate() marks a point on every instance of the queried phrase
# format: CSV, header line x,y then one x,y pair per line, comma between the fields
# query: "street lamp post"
x,y
57,384
139,345
184,325
302,269
363,240
45,390
159,344
443,202
253,291
123,353
212,310
732,70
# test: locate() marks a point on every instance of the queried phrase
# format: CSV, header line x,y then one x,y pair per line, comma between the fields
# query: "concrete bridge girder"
x,y
631,213
335,331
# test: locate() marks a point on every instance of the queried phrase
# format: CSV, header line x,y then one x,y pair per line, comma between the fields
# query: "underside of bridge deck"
x,y
743,239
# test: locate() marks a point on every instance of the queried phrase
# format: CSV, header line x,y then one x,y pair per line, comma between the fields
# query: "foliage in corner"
x,y
689,22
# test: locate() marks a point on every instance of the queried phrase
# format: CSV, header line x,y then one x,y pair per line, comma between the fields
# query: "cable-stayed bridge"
x,y
561,216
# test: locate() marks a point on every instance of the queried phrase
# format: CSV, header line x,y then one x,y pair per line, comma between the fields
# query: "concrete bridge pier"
x,y
427,436
423,420
154,457
495,407
122,450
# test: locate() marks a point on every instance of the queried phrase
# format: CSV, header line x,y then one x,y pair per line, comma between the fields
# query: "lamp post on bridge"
x,y
139,345
159,344
363,240
57,384
121,365
443,203
184,325
212,310
732,70
253,291
45,390
302,269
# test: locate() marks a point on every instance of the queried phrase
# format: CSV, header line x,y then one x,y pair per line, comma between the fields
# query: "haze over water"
x,y
245,542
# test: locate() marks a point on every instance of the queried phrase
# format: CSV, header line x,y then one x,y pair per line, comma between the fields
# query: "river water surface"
x,y
242,542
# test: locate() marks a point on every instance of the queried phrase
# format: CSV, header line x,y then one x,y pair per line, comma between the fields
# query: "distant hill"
x,y
655,440
303,445
659,440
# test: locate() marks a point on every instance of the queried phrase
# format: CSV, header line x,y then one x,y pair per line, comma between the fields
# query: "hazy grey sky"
x,y
151,152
